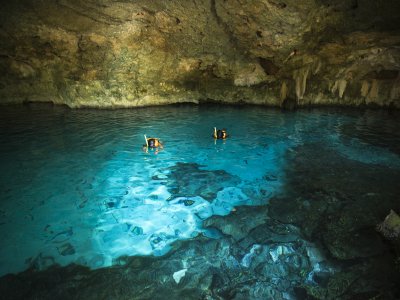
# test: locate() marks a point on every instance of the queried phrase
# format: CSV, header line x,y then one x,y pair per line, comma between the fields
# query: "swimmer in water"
x,y
220,134
153,144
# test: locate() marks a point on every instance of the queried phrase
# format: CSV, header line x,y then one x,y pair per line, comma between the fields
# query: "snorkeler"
x,y
152,143
220,134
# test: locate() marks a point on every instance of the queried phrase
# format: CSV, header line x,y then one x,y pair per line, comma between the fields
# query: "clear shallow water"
x,y
76,186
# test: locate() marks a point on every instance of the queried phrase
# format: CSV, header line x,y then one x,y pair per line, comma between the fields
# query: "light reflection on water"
x,y
76,187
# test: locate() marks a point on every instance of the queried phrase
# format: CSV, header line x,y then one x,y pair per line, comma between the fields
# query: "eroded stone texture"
x,y
137,53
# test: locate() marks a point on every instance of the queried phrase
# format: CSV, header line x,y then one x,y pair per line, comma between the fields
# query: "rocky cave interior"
x,y
135,53
102,53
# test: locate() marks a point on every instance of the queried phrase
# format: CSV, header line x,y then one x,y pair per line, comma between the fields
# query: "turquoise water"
x,y
76,186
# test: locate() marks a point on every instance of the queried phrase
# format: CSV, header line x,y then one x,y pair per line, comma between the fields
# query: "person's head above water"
x,y
220,133
152,143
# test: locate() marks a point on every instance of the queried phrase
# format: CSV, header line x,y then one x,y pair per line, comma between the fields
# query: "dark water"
x,y
285,208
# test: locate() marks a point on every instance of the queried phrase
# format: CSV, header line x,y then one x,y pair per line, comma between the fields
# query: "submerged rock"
x,y
390,227
343,243
335,212
239,223
66,249
178,275
188,180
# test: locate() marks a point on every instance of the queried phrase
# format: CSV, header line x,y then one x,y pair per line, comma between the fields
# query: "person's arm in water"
x,y
215,133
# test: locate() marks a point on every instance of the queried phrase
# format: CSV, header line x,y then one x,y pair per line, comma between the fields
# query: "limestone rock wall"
x,y
104,53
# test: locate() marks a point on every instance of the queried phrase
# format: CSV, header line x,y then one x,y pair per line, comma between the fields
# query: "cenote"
x,y
287,207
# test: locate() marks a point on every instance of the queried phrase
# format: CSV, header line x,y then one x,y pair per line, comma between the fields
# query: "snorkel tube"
x,y
147,143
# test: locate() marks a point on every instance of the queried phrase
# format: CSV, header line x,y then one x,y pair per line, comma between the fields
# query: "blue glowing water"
x,y
76,186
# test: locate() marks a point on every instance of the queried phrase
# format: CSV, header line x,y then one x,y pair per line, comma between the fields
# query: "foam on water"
x,y
76,187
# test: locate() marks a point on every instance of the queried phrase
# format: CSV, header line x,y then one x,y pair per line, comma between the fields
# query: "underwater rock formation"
x,y
390,227
189,180
137,53
256,257
336,211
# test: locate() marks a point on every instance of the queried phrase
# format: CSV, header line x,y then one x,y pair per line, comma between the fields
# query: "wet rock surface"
x,y
317,241
138,53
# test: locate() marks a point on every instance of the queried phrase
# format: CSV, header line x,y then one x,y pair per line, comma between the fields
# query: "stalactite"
x,y
395,91
300,77
342,87
317,66
374,91
284,91
304,82
334,87
298,88
364,88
